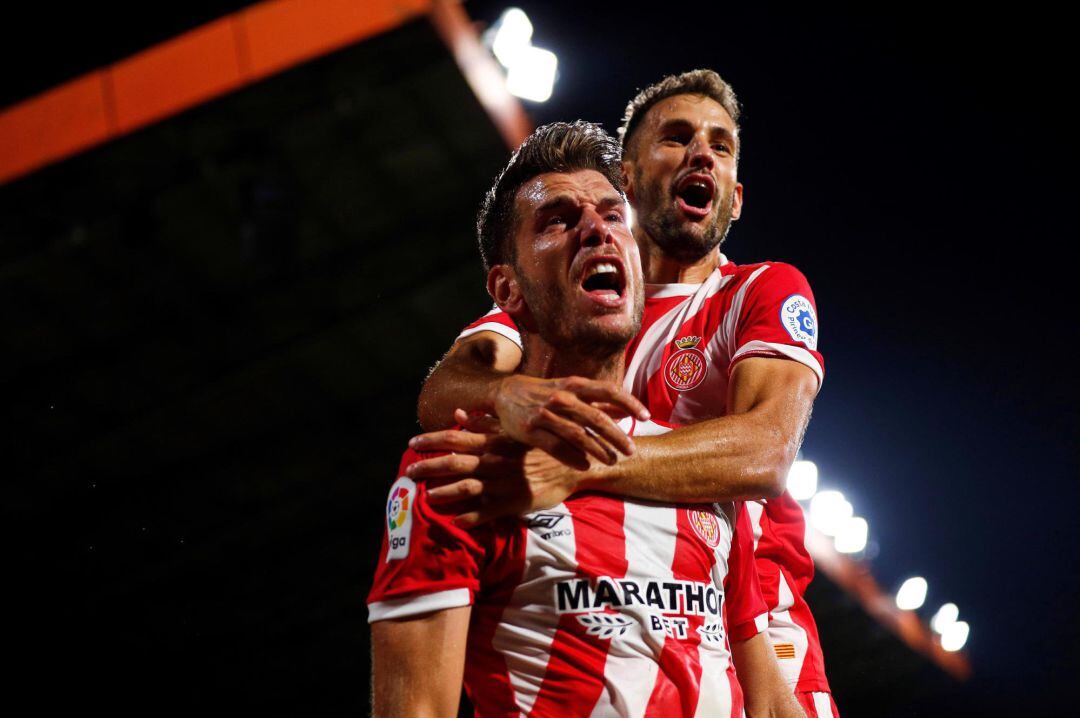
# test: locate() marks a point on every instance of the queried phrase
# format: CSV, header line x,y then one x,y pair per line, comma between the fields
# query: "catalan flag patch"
x,y
784,650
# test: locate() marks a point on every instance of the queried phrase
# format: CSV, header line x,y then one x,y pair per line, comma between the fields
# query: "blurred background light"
x,y
912,594
802,480
512,36
851,538
945,617
955,636
532,76
829,510
530,71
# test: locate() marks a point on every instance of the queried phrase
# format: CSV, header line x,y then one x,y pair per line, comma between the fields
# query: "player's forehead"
x,y
567,188
697,111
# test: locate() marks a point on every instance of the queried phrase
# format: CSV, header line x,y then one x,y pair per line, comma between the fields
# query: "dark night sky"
x,y
913,163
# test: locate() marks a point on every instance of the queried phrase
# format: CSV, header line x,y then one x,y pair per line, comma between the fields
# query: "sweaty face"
x,y
683,178
577,262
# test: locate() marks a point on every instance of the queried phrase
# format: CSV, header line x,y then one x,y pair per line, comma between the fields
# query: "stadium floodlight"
x,y
802,480
512,36
912,594
945,617
955,636
532,76
829,510
852,535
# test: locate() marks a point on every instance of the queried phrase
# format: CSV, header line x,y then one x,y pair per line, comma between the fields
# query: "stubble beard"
x,y
572,337
677,237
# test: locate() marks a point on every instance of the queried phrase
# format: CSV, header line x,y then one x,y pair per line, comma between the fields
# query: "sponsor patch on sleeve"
x,y
399,508
799,319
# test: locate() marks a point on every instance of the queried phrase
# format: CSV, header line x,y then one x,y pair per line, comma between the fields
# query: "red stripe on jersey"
x,y
574,678
679,663
486,666
783,541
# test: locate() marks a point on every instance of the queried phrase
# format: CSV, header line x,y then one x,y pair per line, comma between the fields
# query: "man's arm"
x,y
766,694
406,681
744,455
468,378
566,417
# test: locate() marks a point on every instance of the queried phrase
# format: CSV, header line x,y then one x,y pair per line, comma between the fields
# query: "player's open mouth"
x,y
694,195
603,279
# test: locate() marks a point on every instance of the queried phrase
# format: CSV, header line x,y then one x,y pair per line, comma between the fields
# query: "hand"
x,y
569,418
501,478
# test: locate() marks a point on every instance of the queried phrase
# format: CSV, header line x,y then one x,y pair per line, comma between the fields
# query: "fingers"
x,y
593,420
478,423
465,442
457,491
591,390
454,465
560,448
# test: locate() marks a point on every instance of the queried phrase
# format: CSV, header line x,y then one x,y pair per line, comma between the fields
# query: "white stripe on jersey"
x,y
797,353
725,335
754,509
715,662
633,662
528,626
496,327
412,605
783,629
651,347
822,705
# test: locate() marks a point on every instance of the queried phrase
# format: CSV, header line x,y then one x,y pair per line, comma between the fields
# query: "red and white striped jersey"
x,y
679,365
598,606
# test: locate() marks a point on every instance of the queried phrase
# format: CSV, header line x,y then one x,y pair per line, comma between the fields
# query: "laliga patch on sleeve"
x,y
399,508
798,317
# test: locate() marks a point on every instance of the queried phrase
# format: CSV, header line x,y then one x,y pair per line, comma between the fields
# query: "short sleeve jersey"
x,y
597,606
692,337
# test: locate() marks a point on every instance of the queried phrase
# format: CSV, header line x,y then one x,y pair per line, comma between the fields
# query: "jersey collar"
x,y
662,291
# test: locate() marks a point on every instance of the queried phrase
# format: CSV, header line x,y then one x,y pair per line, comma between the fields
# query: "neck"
x,y
658,268
546,361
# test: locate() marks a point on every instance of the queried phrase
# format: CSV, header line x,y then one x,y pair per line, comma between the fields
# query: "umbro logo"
x,y
545,521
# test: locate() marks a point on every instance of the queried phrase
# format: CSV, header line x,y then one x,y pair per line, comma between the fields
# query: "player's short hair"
x,y
694,82
557,147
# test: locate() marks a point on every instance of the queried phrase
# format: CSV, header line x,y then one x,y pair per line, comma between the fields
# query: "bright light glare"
x,y
513,35
802,480
629,215
852,535
829,510
955,636
532,76
912,594
945,617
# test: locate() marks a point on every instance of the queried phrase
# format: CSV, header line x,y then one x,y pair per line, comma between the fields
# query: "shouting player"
x,y
597,605
730,350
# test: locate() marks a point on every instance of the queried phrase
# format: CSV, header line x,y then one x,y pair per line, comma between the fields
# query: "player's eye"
x,y
555,219
614,217
721,147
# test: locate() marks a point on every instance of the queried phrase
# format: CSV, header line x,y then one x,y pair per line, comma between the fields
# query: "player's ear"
x,y
504,288
736,201
627,179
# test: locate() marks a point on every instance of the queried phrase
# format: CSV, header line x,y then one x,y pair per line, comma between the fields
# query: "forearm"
x,y
468,378
739,457
406,683
765,693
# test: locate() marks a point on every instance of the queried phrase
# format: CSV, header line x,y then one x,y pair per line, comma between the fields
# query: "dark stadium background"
x,y
215,329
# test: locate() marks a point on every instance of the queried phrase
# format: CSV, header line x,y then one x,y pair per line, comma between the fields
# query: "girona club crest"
x,y
705,526
687,367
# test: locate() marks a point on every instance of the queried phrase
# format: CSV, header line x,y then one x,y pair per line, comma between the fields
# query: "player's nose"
x,y
595,229
699,153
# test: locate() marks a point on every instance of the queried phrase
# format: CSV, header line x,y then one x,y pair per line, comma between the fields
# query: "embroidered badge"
x,y
687,367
